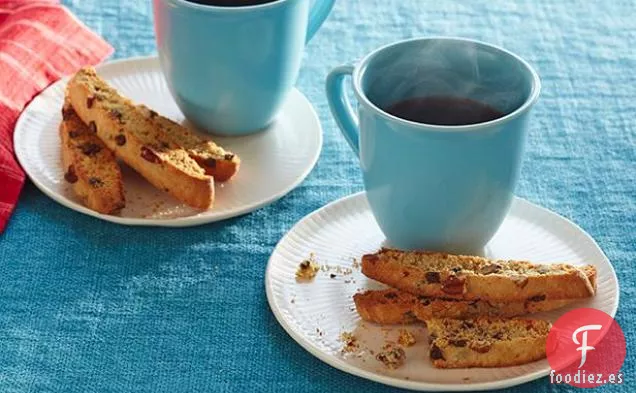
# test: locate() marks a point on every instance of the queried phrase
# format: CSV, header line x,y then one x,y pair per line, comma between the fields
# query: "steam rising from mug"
x,y
447,68
437,186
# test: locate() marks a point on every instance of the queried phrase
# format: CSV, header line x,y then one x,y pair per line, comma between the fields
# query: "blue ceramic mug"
x,y
230,69
443,188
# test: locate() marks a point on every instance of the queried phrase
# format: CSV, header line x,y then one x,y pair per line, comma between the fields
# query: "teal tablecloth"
x,y
87,306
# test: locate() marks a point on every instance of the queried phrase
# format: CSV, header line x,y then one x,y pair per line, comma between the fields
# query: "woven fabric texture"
x,y
88,306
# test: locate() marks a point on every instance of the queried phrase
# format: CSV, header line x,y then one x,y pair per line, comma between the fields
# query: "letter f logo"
x,y
583,345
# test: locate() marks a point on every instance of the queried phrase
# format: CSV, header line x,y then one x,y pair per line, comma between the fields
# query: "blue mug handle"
x,y
317,16
341,107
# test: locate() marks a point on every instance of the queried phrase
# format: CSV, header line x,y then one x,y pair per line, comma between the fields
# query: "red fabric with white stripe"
x,y
40,41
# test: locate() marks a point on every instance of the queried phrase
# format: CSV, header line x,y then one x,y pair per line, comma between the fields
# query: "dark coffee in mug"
x,y
444,111
231,3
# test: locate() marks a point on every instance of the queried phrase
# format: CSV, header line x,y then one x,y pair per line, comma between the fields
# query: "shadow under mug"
x,y
441,188
230,69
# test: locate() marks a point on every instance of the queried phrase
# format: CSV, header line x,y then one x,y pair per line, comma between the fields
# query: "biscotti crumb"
x,y
344,271
406,338
392,356
307,269
350,342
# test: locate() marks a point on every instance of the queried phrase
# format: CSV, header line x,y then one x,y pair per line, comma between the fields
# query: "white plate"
x,y
273,163
316,313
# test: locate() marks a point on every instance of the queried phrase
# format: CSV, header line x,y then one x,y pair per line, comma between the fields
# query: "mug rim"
x,y
218,8
361,67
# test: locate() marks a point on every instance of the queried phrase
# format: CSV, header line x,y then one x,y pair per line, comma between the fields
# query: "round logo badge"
x,y
586,348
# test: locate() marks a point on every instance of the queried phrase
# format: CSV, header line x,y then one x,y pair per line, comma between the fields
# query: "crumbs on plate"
x,y
350,342
406,338
307,269
344,271
391,356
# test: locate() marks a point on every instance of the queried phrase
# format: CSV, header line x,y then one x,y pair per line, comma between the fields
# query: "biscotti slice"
x,y
471,278
428,307
392,306
486,342
216,161
387,306
89,166
137,141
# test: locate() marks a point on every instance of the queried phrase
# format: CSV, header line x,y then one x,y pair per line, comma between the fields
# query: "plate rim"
x,y
163,222
398,382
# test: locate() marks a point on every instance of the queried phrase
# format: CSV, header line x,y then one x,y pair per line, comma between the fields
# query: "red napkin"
x,y
40,41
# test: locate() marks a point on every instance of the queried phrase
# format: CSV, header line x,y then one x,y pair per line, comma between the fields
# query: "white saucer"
x,y
316,313
274,162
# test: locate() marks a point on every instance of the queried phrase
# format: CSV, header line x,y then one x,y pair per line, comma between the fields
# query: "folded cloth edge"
x,y
13,176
